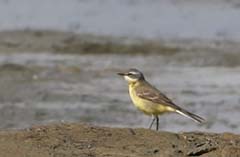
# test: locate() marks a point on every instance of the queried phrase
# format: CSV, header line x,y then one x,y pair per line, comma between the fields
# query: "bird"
x,y
150,100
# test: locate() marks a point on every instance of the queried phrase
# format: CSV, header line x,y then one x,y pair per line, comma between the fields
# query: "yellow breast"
x,y
146,106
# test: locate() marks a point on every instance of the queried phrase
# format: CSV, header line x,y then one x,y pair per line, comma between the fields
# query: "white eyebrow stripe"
x,y
133,72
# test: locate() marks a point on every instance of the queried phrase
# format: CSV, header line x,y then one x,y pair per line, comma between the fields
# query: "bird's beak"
x,y
121,73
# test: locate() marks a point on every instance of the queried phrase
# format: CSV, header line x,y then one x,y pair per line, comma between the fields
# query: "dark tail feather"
x,y
192,116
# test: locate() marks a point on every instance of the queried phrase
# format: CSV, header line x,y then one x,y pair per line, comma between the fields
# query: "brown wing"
x,y
150,93
154,95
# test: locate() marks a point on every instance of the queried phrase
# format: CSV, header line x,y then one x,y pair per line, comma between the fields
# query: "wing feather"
x,y
155,96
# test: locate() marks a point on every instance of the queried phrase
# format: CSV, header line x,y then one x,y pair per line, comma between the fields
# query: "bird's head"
x,y
132,75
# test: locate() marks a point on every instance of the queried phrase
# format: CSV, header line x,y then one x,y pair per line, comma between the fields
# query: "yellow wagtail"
x,y
150,100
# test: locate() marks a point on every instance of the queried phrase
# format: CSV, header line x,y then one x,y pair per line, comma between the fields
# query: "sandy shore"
x,y
89,141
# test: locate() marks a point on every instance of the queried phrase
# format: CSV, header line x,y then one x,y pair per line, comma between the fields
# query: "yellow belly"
x,y
147,106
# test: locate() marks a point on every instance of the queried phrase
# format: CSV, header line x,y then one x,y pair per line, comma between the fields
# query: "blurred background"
x,y
59,58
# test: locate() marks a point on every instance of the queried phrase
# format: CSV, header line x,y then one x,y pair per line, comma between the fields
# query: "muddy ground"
x,y
53,77
68,140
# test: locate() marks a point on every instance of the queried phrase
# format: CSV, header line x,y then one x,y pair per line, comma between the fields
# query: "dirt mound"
x,y
89,141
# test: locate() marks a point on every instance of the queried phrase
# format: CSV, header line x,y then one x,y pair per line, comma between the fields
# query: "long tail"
x,y
192,116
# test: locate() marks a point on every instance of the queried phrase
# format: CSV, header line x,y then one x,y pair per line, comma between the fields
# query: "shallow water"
x,y
44,88
162,19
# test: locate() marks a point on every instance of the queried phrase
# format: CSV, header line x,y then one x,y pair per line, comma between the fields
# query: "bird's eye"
x,y
129,74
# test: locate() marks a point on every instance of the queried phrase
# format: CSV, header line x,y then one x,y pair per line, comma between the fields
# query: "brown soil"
x,y
81,140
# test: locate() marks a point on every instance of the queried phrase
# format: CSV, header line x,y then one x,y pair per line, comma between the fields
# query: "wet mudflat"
x,y
41,87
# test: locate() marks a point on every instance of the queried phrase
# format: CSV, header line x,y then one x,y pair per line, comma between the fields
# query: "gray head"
x,y
132,75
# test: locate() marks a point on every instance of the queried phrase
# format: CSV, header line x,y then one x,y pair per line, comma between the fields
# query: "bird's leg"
x,y
153,120
157,122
